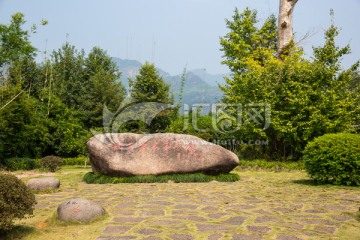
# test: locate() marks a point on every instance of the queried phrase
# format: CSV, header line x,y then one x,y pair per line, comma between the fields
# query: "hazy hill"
x,y
200,86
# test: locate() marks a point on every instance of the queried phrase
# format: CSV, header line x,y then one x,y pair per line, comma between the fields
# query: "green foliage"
x,y
49,108
76,161
270,165
307,98
16,200
246,40
201,127
334,158
153,97
14,41
52,163
97,178
16,163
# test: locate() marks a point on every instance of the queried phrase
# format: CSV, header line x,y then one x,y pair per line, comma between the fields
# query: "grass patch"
x,y
259,164
97,178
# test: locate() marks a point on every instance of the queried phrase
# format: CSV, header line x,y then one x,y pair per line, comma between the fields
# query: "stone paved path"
x,y
261,205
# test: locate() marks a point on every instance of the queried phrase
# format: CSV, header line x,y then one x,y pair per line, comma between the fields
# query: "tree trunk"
x,y
285,24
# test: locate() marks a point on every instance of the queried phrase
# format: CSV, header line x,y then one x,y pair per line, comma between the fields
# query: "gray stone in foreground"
x,y
79,209
43,183
117,238
128,154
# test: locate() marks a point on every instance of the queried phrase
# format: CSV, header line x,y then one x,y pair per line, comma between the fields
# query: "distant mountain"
x,y
196,91
210,79
200,86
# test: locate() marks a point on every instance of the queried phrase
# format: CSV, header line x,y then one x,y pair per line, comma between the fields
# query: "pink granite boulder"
x,y
128,154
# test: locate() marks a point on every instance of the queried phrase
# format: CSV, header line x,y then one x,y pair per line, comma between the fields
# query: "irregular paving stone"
x,y
212,227
193,218
43,183
258,229
325,229
127,154
215,237
164,222
180,236
266,219
186,206
293,225
318,221
210,209
310,234
124,212
341,218
152,213
128,219
235,220
335,207
261,211
316,211
240,236
288,237
242,206
148,231
116,229
282,209
152,238
216,215
162,203
117,238
125,205
79,209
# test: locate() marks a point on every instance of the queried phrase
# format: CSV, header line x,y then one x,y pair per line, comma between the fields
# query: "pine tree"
x,y
153,99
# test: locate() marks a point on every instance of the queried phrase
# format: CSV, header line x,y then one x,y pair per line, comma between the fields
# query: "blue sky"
x,y
172,33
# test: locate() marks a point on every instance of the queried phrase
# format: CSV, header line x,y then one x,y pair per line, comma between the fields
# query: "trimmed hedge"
x,y
76,161
16,200
97,178
334,158
17,163
270,165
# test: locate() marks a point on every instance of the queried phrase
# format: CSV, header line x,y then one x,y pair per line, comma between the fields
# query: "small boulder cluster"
x,y
80,210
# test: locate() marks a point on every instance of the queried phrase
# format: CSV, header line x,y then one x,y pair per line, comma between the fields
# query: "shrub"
x,y
270,165
17,163
16,200
334,158
76,161
51,162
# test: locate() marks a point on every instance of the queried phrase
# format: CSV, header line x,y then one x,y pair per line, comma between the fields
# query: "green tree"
x,y
101,87
307,98
149,87
246,40
67,74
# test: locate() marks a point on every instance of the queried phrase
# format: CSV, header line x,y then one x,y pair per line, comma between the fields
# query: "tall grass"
x,y
97,178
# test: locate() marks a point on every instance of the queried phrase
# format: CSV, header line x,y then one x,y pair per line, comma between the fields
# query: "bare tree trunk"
x,y
285,24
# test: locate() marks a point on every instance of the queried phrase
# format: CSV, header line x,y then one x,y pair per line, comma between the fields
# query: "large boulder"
x,y
80,210
44,183
128,154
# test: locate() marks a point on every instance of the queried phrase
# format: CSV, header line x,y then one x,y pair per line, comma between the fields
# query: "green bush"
x,y
17,163
334,158
270,165
52,163
98,178
76,161
16,200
